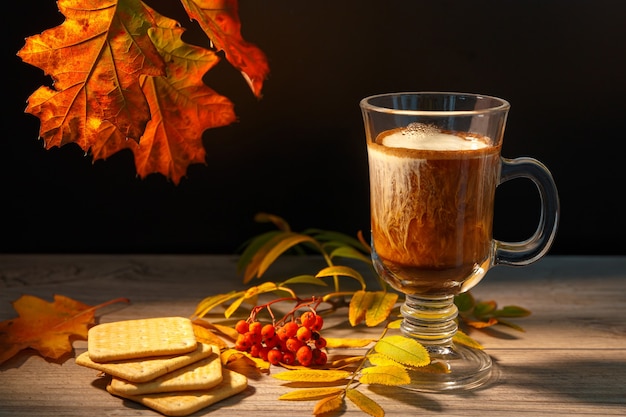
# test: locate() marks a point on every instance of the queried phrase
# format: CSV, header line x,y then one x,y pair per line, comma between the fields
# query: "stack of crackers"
x,y
159,363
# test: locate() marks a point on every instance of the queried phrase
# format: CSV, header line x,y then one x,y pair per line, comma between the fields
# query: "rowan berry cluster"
x,y
293,342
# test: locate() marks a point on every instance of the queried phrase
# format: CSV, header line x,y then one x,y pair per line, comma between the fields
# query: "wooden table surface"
x,y
570,361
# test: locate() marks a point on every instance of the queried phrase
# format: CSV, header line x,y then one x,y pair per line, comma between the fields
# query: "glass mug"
x,y
434,165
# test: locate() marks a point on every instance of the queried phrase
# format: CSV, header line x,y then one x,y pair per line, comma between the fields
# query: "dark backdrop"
x,y
299,152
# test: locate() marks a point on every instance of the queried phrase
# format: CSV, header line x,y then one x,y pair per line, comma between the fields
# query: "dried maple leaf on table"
x,y
121,71
46,327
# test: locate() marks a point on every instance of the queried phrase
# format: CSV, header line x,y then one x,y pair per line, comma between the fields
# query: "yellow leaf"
x,y
226,331
343,362
381,306
482,324
313,375
326,405
231,355
346,342
385,375
403,350
463,339
209,303
365,403
382,360
204,335
260,289
343,271
271,250
233,307
309,394
395,324
360,302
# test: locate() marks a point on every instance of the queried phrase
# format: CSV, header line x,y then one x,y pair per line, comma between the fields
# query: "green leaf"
x,y
252,248
403,350
350,253
329,236
465,301
271,250
511,325
512,311
305,279
385,375
365,403
343,271
278,221
484,308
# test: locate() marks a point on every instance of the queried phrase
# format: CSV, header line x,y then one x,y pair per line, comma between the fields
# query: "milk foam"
x,y
424,137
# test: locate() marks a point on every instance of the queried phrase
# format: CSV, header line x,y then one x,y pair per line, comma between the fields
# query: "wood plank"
x,y
570,361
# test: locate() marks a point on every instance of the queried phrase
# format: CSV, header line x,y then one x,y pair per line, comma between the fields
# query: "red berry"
x,y
303,334
319,323
293,344
268,331
287,330
242,326
320,343
274,356
255,327
271,342
289,358
319,358
304,355
308,319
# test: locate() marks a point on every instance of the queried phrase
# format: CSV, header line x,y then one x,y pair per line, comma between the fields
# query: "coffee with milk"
x,y
432,206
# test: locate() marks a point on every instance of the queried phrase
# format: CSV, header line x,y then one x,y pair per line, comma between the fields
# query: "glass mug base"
x,y
465,369
432,322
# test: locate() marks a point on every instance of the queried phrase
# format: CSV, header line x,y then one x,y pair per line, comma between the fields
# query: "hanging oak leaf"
x,y
95,58
220,21
46,327
121,71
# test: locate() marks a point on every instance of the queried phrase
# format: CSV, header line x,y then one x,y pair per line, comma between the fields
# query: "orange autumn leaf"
x,y
220,21
124,79
46,327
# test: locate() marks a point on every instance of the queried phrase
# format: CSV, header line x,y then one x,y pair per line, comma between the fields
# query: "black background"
x,y
300,152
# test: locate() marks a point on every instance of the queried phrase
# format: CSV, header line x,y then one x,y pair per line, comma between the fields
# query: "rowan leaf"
x,y
484,308
380,359
309,394
313,375
482,324
464,339
270,251
359,303
512,311
212,301
206,336
220,21
380,308
403,350
343,271
365,403
346,342
48,327
385,375
305,279
327,405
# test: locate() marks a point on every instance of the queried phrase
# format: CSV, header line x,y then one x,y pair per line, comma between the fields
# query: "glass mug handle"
x,y
530,250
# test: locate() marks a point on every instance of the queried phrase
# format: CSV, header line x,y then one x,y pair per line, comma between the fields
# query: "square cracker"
x,y
200,375
146,369
140,338
183,403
